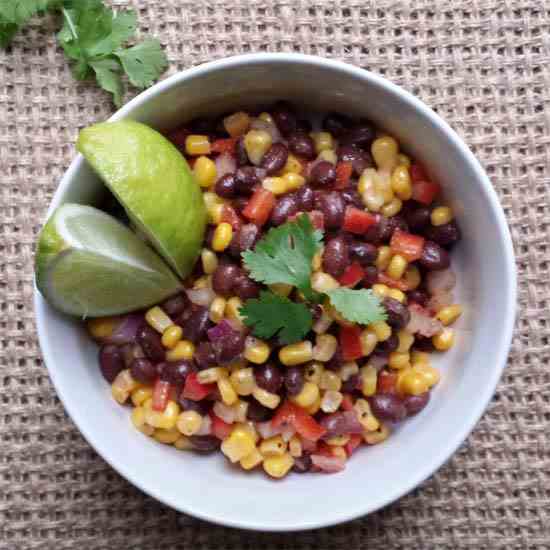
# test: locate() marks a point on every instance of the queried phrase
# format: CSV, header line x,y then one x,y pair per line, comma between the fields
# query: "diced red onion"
x,y
225,164
329,464
422,323
126,330
308,445
440,300
440,281
378,361
287,433
266,430
271,129
261,173
206,426
341,423
201,296
219,331
227,414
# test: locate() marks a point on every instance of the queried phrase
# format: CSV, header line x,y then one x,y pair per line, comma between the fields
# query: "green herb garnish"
x,y
358,306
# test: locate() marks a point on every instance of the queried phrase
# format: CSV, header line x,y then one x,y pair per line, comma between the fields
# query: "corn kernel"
x,y
184,349
392,208
406,340
222,237
237,124
171,336
158,319
256,351
330,381
419,358
273,446
296,354
313,372
325,347
314,407
295,446
168,437
227,393
209,261
278,466
183,443
102,327
196,145
266,117
123,385
257,143
383,186
214,207
369,378
141,394
339,452
232,308
211,375
366,180
401,182
202,282
448,315
240,408
317,261
444,340
412,277
251,460
322,141
374,437
396,294
138,420
382,330
277,185
328,155
281,289
441,215
368,341
308,396
372,200
323,323
384,152
243,381
398,360
430,374
396,267
323,282
205,172
347,370
331,401
166,419
267,399
251,429
338,440
238,445
293,181
403,160
412,383
380,290
383,258
365,416
217,309
293,165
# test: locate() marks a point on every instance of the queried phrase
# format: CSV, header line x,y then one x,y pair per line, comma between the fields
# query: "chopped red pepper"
x,y
224,146
347,402
354,442
259,206
303,423
386,382
343,174
231,217
425,191
219,428
161,392
392,283
357,221
350,342
194,390
417,173
353,274
407,245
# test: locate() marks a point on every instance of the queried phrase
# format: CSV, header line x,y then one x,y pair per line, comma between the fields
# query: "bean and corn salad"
x,y
193,372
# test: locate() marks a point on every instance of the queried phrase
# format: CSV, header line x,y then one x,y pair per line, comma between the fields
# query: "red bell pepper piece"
x,y
357,221
407,245
343,174
425,191
316,218
303,423
353,274
350,342
219,428
324,449
347,402
226,145
354,442
161,392
417,173
194,390
231,217
392,283
387,382
259,206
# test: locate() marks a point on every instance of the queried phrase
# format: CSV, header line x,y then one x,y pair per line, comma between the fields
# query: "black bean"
x,y
360,160
361,135
364,253
224,278
302,145
418,218
304,195
240,152
226,186
398,314
302,464
268,377
336,361
335,256
204,443
196,326
229,347
131,352
205,356
285,207
422,343
245,288
150,341
332,206
284,118
245,179
373,233
244,239
418,296
388,407
143,370
257,412
415,403
434,257
444,235
175,372
175,305
275,158
189,405
323,174
316,311
388,345
371,276
209,235
389,225
352,197
351,384
202,126
110,362
294,380
336,123
304,125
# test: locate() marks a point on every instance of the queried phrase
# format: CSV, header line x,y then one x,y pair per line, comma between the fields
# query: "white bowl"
x,y
207,487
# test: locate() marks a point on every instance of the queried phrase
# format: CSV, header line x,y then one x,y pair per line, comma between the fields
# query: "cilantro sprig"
x,y
285,255
93,37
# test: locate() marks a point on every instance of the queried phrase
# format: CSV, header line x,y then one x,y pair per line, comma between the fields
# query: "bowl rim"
x,y
478,407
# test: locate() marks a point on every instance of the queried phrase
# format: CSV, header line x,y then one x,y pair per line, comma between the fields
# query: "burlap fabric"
x,y
484,66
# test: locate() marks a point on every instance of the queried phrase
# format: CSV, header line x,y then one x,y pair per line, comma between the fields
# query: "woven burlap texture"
x,y
484,66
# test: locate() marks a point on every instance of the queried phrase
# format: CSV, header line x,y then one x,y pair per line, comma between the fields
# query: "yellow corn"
x,y
243,381
396,294
328,155
209,261
281,289
411,382
372,200
239,444
398,360
338,440
251,429
396,267
141,394
158,319
368,341
183,443
138,420
240,408
236,124
227,393
257,143
403,160
392,208
222,237
430,374
325,347
184,349
168,437
369,378
331,401
365,416
196,145
383,186
313,372
217,309
293,165
293,181
278,466
380,290
251,460
317,261
266,117
401,182
347,370
276,184
102,327
384,152
296,354
202,282
382,330
273,446
308,396
441,215
295,446
323,323
406,340
330,381
123,385
214,206
205,172
444,340
419,358
366,180
166,419
322,141
232,308
171,336
412,277
315,406
211,375
256,351
383,258
323,282
267,399
381,434
448,315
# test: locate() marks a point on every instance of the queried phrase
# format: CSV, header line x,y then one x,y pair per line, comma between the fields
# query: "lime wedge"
x,y
153,182
89,264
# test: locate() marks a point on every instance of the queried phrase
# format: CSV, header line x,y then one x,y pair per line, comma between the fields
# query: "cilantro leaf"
x,y
7,31
143,63
358,306
107,72
272,313
284,255
14,13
